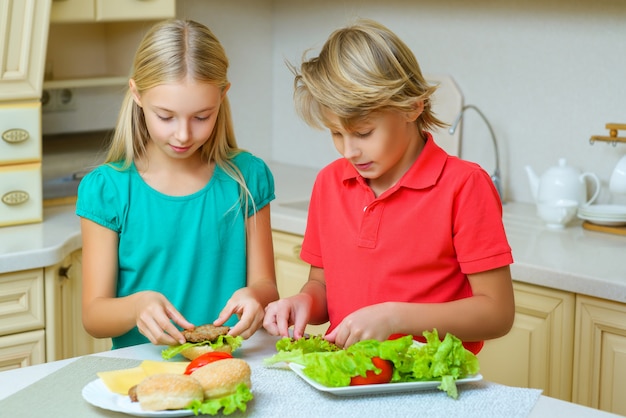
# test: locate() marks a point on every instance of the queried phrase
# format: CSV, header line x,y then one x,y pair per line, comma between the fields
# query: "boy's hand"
x,y
283,313
369,323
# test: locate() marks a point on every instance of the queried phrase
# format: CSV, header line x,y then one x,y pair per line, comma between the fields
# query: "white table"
x,y
254,350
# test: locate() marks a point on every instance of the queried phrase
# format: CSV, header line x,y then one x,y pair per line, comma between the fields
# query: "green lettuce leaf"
x,y
228,404
234,342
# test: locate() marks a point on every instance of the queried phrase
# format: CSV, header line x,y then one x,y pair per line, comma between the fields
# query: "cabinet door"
x,y
23,37
21,301
21,350
291,272
600,356
537,352
65,334
116,10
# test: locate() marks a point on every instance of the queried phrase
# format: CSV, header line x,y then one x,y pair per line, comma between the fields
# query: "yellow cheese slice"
x,y
119,381
151,367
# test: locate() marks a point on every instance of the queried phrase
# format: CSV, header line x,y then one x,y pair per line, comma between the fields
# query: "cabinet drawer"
x,y
20,194
21,301
21,350
73,11
20,130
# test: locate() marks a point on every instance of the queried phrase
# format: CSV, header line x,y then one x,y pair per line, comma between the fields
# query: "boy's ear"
x,y
412,115
134,92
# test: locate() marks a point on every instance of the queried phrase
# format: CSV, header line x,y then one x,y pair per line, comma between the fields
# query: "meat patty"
x,y
207,332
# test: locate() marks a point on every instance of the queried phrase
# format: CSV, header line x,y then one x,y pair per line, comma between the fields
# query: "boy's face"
x,y
381,147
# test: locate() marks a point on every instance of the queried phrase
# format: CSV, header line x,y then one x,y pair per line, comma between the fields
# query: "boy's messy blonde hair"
x,y
362,69
171,51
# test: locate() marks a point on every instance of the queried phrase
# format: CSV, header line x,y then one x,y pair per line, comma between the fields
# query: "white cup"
x,y
557,213
617,183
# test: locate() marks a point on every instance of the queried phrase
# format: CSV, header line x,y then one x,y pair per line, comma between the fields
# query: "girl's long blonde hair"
x,y
169,52
361,69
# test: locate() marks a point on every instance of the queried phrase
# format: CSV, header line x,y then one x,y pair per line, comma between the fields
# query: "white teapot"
x,y
562,182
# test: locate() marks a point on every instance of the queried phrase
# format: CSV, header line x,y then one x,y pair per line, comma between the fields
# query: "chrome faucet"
x,y
495,177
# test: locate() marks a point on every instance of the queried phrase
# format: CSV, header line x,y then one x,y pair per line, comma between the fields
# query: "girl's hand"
x,y
373,322
156,316
247,308
283,313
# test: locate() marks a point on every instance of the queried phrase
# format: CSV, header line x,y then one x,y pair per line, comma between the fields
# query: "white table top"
x,y
254,350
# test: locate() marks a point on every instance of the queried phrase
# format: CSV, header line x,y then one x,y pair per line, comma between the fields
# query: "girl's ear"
x,y
412,115
134,92
225,90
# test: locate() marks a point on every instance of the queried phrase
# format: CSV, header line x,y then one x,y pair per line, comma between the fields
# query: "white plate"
x,y
598,220
604,210
377,388
97,394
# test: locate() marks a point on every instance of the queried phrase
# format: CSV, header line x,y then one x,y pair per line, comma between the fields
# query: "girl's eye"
x,y
164,118
202,118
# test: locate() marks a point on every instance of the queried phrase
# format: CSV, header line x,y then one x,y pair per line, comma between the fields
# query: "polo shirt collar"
x,y
424,172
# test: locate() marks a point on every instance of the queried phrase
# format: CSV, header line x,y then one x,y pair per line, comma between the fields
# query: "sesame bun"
x,y
196,351
164,391
222,377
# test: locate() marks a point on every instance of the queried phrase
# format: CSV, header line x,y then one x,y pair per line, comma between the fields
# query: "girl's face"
x,y
381,148
180,117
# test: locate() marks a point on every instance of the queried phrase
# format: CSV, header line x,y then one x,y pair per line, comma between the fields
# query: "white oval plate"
x,y
604,210
378,388
97,394
602,221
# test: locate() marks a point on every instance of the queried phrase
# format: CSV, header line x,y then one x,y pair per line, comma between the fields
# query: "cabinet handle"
x,y
15,136
64,271
15,197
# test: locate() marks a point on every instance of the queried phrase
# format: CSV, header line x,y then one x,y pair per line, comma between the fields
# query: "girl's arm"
x,y
105,315
488,314
249,302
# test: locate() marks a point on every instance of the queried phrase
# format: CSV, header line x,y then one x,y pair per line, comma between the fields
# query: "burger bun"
x,y
165,391
222,377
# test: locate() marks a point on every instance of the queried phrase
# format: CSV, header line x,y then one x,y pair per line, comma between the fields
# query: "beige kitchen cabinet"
x,y
64,11
24,29
92,42
291,271
21,319
600,354
538,351
65,335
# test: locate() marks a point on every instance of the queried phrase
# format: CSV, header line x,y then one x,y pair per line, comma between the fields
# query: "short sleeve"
x,y
98,199
259,181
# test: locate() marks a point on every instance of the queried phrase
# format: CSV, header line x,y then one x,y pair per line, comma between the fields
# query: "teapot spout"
x,y
533,180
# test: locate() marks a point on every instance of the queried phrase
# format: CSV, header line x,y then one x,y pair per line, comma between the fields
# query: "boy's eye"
x,y
363,134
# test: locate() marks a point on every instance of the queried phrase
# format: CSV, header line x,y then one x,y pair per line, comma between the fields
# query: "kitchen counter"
x,y
573,259
279,392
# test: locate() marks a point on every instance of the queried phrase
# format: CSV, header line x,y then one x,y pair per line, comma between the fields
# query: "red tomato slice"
x,y
205,359
371,377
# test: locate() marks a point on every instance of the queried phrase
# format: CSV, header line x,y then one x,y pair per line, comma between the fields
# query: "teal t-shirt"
x,y
190,248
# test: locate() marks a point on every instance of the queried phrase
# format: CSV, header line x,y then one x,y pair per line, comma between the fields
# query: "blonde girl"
x,y
175,223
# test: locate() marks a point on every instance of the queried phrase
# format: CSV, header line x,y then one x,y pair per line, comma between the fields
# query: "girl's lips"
x,y
179,149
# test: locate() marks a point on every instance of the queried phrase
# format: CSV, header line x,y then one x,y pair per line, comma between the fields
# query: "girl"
x,y
401,237
176,222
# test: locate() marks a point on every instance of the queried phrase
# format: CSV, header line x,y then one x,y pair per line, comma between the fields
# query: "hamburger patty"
x,y
207,332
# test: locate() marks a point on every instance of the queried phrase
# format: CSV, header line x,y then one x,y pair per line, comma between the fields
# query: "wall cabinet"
x,y
291,272
24,32
40,316
64,11
538,351
600,354
92,42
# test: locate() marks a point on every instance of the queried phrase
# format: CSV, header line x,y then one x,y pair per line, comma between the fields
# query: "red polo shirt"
x,y
416,242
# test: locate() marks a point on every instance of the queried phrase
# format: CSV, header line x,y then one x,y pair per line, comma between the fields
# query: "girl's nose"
x,y
183,131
